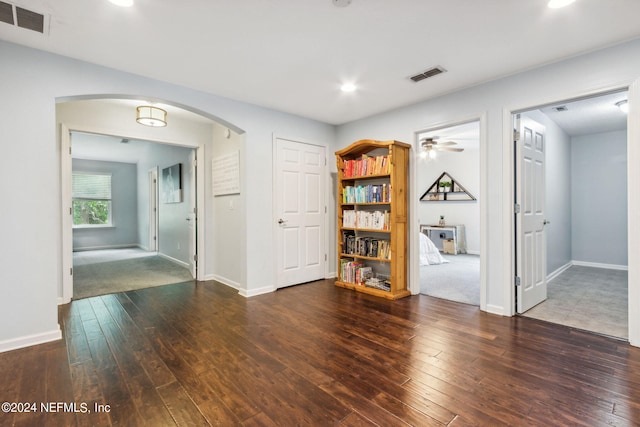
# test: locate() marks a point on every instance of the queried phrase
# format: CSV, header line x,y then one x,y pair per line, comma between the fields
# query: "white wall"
x,y
600,71
599,198
32,83
124,208
464,167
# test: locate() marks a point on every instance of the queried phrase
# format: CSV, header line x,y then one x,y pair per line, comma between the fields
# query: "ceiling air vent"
x,y
6,13
429,73
561,108
22,18
30,20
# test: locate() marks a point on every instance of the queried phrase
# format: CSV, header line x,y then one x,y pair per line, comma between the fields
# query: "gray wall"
x,y
601,71
124,231
33,82
599,198
173,239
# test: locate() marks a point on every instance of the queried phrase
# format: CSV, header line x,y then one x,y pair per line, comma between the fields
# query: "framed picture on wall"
x,y
172,184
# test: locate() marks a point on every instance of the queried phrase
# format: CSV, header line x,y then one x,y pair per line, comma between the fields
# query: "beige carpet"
x,y
126,275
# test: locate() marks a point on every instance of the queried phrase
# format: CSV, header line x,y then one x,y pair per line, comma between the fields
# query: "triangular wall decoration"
x,y
446,188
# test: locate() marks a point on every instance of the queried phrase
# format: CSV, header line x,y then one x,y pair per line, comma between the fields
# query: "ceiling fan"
x,y
431,145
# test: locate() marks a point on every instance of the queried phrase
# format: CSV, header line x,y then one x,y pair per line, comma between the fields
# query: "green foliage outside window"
x,y
95,212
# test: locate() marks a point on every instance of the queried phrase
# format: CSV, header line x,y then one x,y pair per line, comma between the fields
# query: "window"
x,y
91,195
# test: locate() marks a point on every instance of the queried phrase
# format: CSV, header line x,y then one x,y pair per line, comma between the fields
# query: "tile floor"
x,y
593,299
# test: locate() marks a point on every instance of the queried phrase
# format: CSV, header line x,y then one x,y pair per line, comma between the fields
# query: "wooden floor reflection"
x,y
200,354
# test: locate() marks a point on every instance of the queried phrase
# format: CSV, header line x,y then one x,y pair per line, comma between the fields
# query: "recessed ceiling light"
x,y
122,3
557,4
348,87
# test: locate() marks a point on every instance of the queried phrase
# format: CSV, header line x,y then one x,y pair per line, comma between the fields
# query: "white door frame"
x,y
275,215
153,209
414,219
633,197
66,129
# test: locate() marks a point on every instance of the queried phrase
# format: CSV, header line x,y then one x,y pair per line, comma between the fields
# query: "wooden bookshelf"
x,y
372,217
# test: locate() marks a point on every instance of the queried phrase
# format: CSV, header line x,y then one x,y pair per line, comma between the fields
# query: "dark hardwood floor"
x,y
200,354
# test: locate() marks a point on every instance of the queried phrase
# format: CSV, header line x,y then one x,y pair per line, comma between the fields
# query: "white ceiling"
x,y
293,55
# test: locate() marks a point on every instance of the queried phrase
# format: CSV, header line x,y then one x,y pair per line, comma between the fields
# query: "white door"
x,y
192,218
530,214
299,212
153,210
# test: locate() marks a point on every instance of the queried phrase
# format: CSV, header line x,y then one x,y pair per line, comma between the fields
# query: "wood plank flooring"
x,y
318,355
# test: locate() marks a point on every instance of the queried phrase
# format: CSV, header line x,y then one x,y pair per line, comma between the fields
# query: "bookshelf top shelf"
x,y
365,145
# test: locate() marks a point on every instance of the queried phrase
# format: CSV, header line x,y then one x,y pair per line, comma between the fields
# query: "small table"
x,y
457,232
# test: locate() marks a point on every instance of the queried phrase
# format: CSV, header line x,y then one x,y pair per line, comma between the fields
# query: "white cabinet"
x,y
450,232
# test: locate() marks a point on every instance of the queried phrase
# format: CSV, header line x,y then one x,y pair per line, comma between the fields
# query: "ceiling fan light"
x,y
151,116
623,105
432,154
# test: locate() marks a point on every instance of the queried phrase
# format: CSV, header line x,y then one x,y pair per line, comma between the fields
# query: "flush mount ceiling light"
x,y
557,4
151,116
348,87
122,3
623,105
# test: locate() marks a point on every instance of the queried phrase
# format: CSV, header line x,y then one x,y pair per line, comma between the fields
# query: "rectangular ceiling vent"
x,y
429,73
23,18
6,13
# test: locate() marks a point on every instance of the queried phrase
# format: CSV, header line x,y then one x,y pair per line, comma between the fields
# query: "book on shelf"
x,y
354,272
365,246
366,166
371,220
380,193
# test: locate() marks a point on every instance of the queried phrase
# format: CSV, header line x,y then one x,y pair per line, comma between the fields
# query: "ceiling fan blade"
x,y
447,143
457,150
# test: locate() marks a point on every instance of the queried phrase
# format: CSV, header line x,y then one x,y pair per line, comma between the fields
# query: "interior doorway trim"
x,y
633,157
67,221
414,220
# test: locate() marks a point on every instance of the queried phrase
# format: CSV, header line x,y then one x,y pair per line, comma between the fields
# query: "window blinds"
x,y
91,186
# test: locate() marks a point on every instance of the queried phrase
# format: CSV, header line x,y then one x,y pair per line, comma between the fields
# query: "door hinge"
x,y
195,257
516,135
71,272
70,211
325,257
516,208
325,209
517,281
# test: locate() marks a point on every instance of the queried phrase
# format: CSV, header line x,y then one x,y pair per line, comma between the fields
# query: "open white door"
x,y
531,256
192,218
633,200
67,216
299,210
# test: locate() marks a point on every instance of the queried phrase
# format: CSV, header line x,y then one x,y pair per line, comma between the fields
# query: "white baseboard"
x,y
225,281
237,286
98,248
29,340
174,260
331,275
601,265
255,292
559,271
495,309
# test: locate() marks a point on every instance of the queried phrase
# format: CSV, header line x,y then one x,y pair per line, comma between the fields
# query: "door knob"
x,y
281,221
545,222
